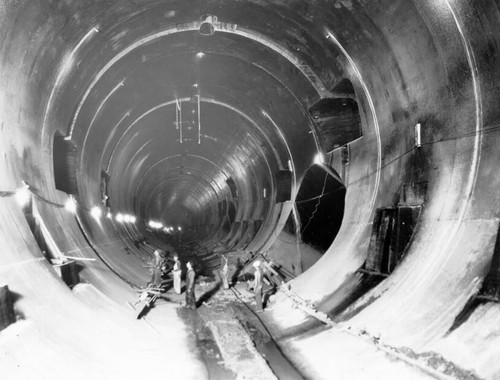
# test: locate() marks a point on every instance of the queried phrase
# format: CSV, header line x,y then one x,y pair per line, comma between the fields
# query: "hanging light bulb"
x,y
70,205
23,195
154,224
109,216
319,159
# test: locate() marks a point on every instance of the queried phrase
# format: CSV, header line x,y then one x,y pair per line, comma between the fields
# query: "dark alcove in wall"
x,y
64,160
320,205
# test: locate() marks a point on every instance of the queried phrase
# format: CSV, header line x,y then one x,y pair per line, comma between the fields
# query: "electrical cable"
x,y
489,129
122,277
79,224
319,196
39,197
493,128
317,204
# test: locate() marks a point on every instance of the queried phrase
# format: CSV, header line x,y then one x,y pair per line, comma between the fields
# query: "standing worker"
x,y
176,270
190,277
157,263
224,272
257,285
164,265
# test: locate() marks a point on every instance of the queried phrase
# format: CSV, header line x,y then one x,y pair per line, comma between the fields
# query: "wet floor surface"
x,y
206,345
265,344
241,343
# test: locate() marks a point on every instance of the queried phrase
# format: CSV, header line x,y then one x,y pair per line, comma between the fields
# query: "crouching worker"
x,y
190,278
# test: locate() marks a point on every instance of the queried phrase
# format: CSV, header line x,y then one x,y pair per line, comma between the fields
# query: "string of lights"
x,y
24,193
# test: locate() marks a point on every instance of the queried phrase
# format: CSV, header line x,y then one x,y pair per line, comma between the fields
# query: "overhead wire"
x,y
493,128
489,129
317,204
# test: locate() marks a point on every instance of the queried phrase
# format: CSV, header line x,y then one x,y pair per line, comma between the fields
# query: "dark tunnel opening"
x,y
320,204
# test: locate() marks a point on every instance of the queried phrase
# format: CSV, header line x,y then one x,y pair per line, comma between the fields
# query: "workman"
x,y
157,264
176,271
224,272
190,278
257,285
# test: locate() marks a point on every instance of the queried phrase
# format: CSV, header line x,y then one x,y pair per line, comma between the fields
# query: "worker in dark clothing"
x,y
224,272
257,285
190,277
165,266
157,264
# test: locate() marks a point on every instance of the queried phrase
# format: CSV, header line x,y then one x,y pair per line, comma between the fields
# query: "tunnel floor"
x,y
227,339
228,336
233,341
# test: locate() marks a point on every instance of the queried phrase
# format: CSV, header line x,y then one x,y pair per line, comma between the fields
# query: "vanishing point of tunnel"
x,y
351,147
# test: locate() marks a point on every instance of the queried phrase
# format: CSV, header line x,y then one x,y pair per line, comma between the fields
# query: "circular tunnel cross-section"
x,y
349,147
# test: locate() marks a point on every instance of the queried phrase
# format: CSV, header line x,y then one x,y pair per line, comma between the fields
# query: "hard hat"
x,y
256,263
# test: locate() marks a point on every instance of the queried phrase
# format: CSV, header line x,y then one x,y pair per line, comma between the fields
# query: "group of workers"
x,y
256,285
160,268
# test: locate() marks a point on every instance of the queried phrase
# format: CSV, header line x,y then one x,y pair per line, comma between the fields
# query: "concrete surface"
x,y
107,76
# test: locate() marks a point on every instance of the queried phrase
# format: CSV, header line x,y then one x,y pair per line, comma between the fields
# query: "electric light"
x,y
70,205
319,159
154,224
96,212
23,195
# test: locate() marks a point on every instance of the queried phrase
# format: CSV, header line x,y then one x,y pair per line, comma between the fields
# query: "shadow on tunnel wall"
x,y
315,220
320,204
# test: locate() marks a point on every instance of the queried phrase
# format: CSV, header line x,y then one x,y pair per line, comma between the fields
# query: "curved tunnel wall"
x,y
433,63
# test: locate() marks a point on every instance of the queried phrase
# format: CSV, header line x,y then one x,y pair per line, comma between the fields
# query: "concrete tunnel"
x,y
353,143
